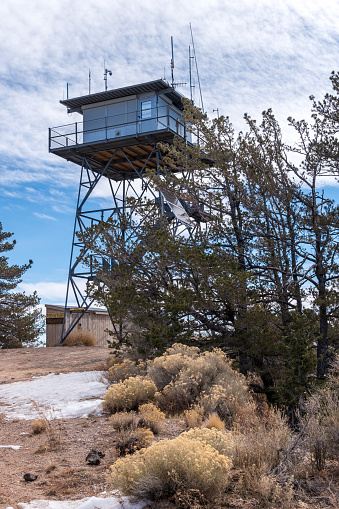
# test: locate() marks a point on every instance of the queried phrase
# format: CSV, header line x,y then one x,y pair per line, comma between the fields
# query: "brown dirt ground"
x,y
62,473
25,363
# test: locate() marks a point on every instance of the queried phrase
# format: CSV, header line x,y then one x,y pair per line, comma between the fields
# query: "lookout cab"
x,y
114,142
132,118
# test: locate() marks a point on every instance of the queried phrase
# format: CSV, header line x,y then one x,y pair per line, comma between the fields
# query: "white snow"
x,y
61,396
64,396
114,502
14,447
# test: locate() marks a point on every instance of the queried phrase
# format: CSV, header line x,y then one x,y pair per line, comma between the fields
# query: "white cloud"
x,y
48,291
44,216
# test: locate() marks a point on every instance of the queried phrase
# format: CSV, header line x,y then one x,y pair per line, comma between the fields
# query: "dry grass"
x,y
322,423
81,338
52,425
193,417
129,394
123,421
38,426
214,421
50,468
151,417
260,440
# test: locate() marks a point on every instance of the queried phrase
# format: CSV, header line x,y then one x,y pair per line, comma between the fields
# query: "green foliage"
x,y
21,322
265,243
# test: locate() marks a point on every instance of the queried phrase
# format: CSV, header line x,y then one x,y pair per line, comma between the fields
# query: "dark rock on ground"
x,y
93,457
30,477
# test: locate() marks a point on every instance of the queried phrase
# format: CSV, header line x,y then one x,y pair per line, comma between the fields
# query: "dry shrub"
x,y
322,423
223,443
144,436
183,374
151,416
123,421
260,440
178,395
81,338
214,421
225,400
41,449
258,443
52,428
120,371
129,394
193,417
168,466
263,490
38,426
52,466
166,368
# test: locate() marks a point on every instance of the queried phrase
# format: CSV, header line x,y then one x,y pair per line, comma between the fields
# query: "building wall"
x,y
126,117
95,321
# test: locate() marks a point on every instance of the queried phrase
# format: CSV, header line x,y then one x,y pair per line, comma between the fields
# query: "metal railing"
x,y
117,126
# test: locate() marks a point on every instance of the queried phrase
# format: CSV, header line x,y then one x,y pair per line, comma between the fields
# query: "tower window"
x,y
146,110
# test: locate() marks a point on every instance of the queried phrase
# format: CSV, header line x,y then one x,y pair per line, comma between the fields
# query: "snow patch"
x,y
14,447
61,396
85,503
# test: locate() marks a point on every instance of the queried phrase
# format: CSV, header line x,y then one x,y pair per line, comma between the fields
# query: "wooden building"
x,y
95,320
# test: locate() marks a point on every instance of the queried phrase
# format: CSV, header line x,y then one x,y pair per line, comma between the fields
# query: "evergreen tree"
x,y
21,322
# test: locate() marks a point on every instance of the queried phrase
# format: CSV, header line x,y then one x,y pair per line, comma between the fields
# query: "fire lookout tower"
x,y
114,144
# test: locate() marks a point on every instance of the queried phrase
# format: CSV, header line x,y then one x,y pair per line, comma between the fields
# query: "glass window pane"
x,y
146,109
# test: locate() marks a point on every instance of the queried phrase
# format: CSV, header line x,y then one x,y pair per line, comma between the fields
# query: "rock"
x,y
93,457
30,477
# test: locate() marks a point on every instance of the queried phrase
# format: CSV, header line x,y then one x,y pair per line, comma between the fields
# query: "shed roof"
x,y
151,86
91,310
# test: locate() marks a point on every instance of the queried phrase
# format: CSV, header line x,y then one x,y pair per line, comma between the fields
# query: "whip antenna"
x,y
196,66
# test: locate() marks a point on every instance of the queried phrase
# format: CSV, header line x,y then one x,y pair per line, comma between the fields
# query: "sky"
x,y
251,56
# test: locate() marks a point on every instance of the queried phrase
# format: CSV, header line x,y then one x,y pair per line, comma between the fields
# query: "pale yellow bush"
x,y
122,370
193,417
151,416
39,425
178,395
144,436
122,421
166,368
81,338
169,465
225,400
221,442
129,394
214,421
183,374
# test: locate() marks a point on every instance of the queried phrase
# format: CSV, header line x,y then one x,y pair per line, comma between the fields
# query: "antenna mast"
x,y
172,61
196,66
190,72
89,81
107,71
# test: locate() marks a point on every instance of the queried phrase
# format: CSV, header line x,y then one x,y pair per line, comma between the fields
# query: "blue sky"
x,y
251,56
